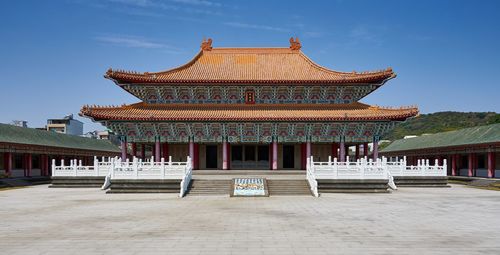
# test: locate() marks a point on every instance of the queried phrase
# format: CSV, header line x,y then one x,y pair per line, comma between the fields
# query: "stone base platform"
x,y
353,186
76,182
144,186
421,181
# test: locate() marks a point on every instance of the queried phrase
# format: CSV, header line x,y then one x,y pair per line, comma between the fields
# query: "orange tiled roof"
x,y
243,112
251,65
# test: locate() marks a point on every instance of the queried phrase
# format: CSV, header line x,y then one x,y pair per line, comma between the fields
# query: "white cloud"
x,y
134,42
254,26
198,2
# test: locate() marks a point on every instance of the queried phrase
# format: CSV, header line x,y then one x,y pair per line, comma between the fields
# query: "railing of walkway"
x,y
114,168
364,169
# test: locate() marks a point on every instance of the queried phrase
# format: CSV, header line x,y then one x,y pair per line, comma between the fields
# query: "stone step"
x,y
209,187
353,186
75,186
116,191
144,186
76,182
354,191
288,187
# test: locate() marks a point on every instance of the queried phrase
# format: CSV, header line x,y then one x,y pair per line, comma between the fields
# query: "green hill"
x,y
441,122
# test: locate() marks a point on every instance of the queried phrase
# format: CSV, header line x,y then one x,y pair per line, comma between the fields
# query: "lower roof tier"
x,y
247,112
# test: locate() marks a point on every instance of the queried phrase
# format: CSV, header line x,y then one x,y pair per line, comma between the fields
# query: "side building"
x,y
472,152
26,152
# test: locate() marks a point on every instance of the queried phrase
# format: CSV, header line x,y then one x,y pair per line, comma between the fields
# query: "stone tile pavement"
x,y
457,220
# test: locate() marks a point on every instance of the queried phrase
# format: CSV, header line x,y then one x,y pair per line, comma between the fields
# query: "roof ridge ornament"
x,y
295,44
206,44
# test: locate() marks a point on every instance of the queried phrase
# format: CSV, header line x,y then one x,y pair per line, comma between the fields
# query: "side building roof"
x,y
30,136
467,136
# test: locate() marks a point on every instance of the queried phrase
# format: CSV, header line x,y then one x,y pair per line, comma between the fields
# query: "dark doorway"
x,y
237,153
211,156
263,153
250,153
288,156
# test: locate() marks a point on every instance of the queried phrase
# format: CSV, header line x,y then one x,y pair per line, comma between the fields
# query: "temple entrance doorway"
x,y
211,156
250,156
288,156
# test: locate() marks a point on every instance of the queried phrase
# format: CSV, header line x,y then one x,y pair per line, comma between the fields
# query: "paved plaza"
x,y
457,220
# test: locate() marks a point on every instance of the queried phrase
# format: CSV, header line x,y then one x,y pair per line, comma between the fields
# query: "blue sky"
x,y
54,53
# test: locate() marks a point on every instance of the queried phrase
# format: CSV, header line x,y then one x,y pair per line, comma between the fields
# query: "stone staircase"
x,y
77,182
200,187
144,186
209,187
288,188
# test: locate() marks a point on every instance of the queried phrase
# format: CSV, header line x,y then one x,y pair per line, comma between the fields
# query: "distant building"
x,y
20,123
469,151
67,125
104,135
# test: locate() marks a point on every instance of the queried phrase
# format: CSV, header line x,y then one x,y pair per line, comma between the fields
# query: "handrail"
x,y
186,179
311,179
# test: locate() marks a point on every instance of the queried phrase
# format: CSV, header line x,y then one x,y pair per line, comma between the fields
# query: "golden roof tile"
x,y
244,112
250,65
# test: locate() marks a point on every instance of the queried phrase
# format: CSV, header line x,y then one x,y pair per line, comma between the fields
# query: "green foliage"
x,y
441,122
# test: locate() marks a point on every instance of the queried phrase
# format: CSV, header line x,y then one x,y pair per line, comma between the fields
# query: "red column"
x,y
342,151
191,152
357,152
196,161
303,156
7,157
143,151
471,164
228,156
164,151
335,150
124,149
224,155
453,165
491,165
134,149
29,161
275,155
365,149
375,148
157,151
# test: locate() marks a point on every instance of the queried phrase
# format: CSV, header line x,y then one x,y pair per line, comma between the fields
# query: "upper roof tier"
x,y
250,66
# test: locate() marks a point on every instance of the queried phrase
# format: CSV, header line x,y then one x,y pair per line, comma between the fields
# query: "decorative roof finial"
x,y
295,44
206,44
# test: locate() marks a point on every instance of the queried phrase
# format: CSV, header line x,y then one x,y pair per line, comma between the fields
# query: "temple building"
x,y
249,108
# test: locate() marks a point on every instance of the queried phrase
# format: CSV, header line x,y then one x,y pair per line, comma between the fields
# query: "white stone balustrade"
x,y
76,168
115,169
364,169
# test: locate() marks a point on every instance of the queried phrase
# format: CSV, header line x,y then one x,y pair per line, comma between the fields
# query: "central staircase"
x,y
203,187
209,187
